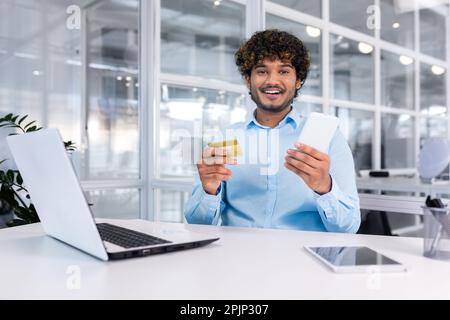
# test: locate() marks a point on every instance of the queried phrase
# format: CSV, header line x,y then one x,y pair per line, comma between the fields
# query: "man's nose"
x,y
273,78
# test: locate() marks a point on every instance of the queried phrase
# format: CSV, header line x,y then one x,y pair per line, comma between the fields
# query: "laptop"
x,y
65,215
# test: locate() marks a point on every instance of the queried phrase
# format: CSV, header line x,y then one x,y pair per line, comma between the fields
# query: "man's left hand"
x,y
311,165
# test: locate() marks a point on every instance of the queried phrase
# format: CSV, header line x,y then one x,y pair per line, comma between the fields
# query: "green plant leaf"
x,y
29,215
21,212
4,183
15,223
3,177
29,124
10,175
11,189
21,119
7,195
70,145
30,129
19,178
33,214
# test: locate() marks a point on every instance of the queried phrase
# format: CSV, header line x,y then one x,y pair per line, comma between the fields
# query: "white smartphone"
x,y
355,259
318,131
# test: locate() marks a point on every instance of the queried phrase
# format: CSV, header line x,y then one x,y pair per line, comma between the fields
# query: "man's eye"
x,y
284,72
261,71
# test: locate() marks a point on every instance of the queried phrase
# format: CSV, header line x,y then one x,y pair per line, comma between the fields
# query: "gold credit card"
x,y
232,146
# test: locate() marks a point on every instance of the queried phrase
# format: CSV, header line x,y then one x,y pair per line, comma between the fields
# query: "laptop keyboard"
x,y
125,237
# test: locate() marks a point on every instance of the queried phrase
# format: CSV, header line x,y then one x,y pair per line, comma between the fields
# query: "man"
x,y
301,187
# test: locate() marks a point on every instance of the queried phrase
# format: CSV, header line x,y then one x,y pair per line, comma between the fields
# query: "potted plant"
x,y
14,197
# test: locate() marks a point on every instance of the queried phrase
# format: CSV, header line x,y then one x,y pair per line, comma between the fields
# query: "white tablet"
x,y
318,131
355,260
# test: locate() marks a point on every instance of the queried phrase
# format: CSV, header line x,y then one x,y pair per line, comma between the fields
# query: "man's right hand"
x,y
211,168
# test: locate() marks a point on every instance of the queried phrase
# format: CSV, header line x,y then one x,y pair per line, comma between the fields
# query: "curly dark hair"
x,y
273,44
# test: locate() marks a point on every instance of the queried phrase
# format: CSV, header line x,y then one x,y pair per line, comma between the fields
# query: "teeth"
x,y
271,92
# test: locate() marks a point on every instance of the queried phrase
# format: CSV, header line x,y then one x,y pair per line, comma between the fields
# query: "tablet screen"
x,y
353,257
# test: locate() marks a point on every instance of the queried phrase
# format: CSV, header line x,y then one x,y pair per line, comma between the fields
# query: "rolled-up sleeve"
x,y
339,208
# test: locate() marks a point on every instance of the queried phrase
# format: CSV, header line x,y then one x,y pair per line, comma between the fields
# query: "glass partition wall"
x,y
74,65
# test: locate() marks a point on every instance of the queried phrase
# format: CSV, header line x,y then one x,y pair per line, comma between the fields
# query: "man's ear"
x,y
298,84
247,82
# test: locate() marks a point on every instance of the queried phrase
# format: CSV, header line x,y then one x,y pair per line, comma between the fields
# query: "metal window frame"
x,y
91,185
326,25
200,82
150,62
151,97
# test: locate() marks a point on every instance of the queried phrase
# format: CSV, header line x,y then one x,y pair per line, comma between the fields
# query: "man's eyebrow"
x,y
284,65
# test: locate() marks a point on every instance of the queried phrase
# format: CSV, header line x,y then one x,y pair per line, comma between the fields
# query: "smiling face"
x,y
272,85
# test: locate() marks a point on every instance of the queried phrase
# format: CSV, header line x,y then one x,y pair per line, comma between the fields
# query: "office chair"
x,y
375,223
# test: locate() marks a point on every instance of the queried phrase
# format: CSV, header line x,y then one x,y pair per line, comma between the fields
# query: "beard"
x,y
272,107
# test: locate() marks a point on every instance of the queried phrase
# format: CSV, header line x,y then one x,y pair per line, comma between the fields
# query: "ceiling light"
x,y
434,110
36,73
365,48
395,25
344,45
73,62
404,118
186,110
119,78
437,70
129,78
25,55
312,31
217,3
405,60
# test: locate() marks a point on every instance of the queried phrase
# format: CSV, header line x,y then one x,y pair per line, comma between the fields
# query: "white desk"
x,y
243,264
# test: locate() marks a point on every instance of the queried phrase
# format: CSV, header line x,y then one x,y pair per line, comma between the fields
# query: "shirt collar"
x,y
292,117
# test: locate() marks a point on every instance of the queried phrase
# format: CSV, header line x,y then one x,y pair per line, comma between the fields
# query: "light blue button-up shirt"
x,y
263,193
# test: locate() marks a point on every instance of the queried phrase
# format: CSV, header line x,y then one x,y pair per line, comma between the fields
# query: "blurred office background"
x,y
136,84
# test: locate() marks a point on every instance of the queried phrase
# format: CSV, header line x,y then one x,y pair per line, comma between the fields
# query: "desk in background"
x,y
402,184
398,203
397,195
243,264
